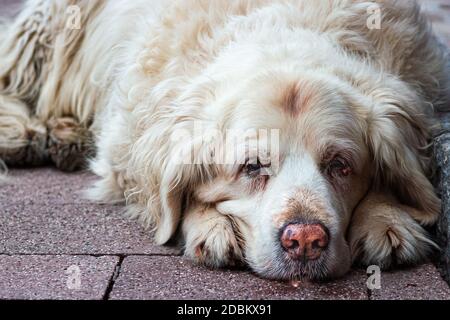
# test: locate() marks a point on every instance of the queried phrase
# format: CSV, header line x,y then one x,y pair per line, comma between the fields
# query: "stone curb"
x,y
442,159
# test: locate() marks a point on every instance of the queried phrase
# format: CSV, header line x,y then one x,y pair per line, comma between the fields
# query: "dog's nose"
x,y
304,241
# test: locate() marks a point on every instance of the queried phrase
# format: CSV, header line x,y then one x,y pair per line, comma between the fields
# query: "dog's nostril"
x,y
317,244
304,240
293,244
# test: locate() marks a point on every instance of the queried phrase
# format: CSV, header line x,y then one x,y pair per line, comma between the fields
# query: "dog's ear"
x,y
398,138
178,176
171,193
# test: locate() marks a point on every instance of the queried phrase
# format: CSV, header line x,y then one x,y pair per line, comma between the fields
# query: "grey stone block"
x,y
442,156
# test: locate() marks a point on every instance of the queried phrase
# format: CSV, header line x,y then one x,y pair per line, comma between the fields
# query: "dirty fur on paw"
x,y
69,144
215,242
30,150
394,239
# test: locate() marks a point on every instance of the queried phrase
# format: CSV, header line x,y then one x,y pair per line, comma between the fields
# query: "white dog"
x,y
334,100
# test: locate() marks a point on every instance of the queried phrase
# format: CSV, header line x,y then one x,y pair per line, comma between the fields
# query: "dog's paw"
x,y
388,236
211,240
69,144
27,146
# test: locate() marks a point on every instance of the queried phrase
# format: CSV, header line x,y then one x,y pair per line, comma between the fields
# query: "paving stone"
x,y
72,229
442,154
144,277
55,277
420,283
46,186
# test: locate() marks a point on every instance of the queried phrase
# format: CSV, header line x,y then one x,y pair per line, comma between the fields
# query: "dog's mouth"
x,y
301,269
286,269
283,268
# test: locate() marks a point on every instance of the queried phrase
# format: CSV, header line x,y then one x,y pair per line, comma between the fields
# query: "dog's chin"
x,y
285,269
313,270
325,268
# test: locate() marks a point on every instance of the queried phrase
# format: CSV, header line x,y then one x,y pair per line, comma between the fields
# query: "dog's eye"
x,y
339,166
254,169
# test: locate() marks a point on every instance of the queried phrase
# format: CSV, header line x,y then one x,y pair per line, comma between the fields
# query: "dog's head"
x,y
313,146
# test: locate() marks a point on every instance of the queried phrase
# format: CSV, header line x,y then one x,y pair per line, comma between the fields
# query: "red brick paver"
x,y
421,283
72,229
42,187
176,278
55,277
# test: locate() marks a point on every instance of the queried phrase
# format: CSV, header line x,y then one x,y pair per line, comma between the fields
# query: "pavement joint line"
x,y
96,255
114,278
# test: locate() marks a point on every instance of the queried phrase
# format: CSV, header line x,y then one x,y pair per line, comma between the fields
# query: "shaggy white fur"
x,y
352,106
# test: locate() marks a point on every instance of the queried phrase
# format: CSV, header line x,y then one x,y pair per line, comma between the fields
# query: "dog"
x,y
329,105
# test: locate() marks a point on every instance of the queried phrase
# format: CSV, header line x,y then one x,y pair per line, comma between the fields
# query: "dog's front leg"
x,y
212,239
384,232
